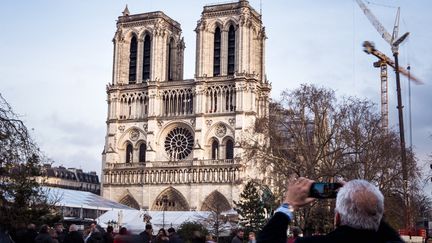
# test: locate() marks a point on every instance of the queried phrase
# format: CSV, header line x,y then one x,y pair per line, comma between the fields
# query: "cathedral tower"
x,y
175,143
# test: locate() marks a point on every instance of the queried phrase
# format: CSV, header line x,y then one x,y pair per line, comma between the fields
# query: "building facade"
x,y
175,144
69,178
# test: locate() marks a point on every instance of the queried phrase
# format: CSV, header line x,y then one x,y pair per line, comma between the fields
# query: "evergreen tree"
x,y
251,208
192,232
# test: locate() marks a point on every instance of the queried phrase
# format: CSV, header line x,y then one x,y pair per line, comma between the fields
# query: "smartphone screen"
x,y
324,190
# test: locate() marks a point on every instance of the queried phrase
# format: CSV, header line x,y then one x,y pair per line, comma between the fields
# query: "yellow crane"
x,y
394,42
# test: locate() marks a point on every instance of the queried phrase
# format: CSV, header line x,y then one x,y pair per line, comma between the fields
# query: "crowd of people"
x,y
96,234
358,218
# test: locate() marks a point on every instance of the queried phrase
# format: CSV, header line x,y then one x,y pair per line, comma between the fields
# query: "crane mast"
x,y
394,42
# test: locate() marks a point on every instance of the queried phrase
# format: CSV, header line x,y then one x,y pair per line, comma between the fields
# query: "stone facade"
x,y
174,143
69,178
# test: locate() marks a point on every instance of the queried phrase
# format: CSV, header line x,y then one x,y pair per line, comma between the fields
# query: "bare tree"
x,y
21,198
310,133
217,221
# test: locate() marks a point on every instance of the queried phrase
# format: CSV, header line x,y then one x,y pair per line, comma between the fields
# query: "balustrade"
x,y
226,172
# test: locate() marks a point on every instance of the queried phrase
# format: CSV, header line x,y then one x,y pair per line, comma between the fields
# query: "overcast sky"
x,y
56,58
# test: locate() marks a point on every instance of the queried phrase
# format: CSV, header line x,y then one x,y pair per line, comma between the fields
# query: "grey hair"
x,y
360,205
73,227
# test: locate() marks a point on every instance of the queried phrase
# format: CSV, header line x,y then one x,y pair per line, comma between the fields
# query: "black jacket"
x,y
275,232
174,238
146,238
275,229
73,237
385,234
30,236
43,238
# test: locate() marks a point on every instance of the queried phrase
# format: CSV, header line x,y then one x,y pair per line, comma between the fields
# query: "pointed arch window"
x,y
217,52
170,59
146,58
133,60
142,152
215,149
229,149
129,153
231,50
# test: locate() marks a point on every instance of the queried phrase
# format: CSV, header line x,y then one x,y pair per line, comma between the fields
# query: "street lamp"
x,y
164,205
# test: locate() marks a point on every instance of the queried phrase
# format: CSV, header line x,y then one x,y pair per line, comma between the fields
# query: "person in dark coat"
x,y
173,236
109,235
358,215
43,236
61,234
4,236
18,234
147,234
95,236
238,238
162,236
73,236
30,234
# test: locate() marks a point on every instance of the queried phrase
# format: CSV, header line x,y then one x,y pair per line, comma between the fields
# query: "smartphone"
x,y
324,190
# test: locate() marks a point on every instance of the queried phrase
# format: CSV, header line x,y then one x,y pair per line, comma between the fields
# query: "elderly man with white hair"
x,y
73,236
358,215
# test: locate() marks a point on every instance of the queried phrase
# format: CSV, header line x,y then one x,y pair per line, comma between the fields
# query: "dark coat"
x,y
74,237
61,236
95,237
30,236
175,238
5,237
347,234
275,232
275,229
108,237
43,238
236,239
146,238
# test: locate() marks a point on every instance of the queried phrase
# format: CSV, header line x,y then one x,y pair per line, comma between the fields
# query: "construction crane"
x,y
369,48
391,39
394,43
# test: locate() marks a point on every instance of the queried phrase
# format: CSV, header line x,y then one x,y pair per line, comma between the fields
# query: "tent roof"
x,y
81,199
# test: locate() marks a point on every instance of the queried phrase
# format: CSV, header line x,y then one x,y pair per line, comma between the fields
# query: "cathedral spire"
x,y
126,11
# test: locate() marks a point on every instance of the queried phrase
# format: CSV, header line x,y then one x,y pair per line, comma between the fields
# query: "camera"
x,y
323,190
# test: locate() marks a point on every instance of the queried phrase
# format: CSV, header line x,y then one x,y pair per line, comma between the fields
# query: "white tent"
x,y
134,222
80,199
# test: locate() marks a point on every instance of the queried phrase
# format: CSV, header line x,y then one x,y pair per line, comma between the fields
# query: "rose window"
x,y
179,143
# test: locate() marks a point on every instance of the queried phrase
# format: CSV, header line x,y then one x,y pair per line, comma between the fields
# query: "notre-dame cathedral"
x,y
173,143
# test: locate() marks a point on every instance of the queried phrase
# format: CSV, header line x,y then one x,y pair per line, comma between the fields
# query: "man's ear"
x,y
337,219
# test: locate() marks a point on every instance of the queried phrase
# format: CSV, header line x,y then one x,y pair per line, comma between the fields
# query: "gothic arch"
x,y
124,138
146,32
228,143
215,148
231,53
129,34
215,24
220,98
173,38
212,131
226,138
130,201
230,22
215,201
176,101
170,199
133,51
146,54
